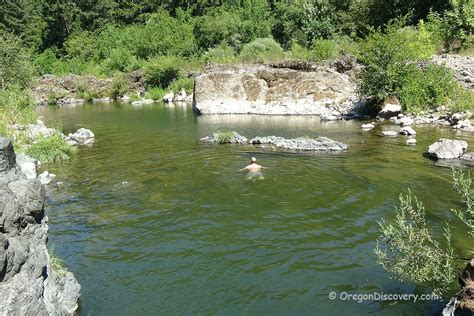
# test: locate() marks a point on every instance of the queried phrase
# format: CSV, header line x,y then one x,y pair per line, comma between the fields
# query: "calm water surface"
x,y
151,222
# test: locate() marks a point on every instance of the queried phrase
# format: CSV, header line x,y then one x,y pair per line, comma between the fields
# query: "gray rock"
x,y
390,108
407,131
46,177
7,154
168,98
28,285
142,102
447,149
390,133
102,100
181,96
29,166
301,143
236,139
82,136
463,124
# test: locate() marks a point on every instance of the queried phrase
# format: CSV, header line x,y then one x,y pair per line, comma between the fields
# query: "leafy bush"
x,y
222,54
389,55
462,100
407,248
45,61
119,59
51,149
219,26
261,50
411,253
16,68
161,71
224,137
322,49
119,87
16,107
421,89
155,93
182,83
299,52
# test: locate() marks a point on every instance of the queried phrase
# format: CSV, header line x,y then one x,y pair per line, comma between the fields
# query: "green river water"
x,y
151,222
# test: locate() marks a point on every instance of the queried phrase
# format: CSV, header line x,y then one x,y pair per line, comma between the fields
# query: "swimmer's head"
x,y
253,160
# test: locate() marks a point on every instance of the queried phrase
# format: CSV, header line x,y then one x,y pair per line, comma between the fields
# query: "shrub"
x,y
322,49
16,107
51,149
299,52
224,137
119,59
222,54
16,68
462,100
119,87
421,89
217,27
45,61
155,93
261,50
409,250
182,83
161,71
389,56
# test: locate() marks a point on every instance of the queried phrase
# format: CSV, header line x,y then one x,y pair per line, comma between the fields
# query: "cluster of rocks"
x,y
28,283
322,144
33,132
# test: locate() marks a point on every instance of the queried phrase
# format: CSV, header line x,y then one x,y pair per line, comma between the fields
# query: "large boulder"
x,y
262,89
447,149
391,107
301,143
28,283
29,166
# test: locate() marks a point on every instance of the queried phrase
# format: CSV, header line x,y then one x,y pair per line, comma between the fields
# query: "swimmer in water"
x,y
254,170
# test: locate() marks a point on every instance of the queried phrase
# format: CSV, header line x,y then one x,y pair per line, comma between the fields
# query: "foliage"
x,y
182,83
462,100
15,63
463,186
261,50
161,71
323,49
420,89
45,62
155,93
222,54
119,87
389,55
57,265
16,107
224,137
51,149
409,250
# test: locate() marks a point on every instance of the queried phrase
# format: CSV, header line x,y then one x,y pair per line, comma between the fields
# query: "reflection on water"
x,y
151,222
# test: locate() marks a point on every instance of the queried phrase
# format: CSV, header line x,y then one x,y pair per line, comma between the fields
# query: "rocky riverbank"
x,y
28,283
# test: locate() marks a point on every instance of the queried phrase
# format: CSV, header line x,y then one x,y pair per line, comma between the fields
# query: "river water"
x,y
151,222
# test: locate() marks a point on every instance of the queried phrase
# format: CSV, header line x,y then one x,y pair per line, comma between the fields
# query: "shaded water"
x,y
150,221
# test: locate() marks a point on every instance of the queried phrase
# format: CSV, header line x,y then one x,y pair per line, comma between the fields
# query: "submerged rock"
x,y
301,143
447,149
142,102
81,137
28,283
390,133
411,141
235,139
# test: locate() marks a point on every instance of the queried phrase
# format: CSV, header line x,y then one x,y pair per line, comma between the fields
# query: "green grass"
x,y
57,265
224,137
51,149
155,93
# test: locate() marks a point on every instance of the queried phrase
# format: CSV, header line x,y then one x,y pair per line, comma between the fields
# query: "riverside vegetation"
x,y
169,40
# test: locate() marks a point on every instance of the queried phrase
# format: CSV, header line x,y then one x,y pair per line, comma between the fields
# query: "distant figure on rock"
x,y
254,169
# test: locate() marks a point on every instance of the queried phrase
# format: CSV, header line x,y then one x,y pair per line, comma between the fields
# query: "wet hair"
x,y
253,160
